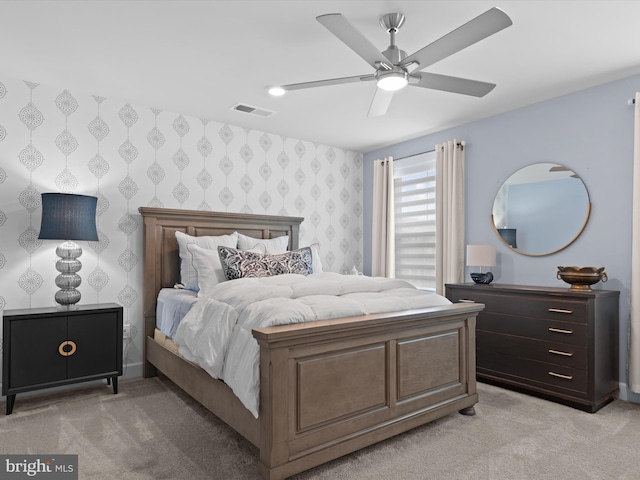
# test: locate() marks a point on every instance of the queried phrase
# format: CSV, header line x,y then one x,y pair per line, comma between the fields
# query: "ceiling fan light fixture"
x,y
276,91
392,80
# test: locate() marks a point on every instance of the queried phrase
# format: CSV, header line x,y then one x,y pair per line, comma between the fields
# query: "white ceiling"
x,y
202,57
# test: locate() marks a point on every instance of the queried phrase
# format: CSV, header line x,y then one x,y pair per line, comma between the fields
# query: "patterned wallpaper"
x,y
55,140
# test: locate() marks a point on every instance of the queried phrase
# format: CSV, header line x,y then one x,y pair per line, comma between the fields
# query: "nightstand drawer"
x,y
572,356
546,330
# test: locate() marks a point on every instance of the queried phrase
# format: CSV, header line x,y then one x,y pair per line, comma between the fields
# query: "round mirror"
x,y
541,209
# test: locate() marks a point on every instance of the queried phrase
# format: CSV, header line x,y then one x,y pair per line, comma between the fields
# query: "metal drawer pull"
x,y
65,353
464,300
560,330
560,310
558,352
559,375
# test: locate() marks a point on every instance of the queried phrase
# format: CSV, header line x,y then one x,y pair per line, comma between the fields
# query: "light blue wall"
x,y
591,132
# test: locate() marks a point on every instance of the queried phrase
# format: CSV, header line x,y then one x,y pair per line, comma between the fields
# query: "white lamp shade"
x,y
481,255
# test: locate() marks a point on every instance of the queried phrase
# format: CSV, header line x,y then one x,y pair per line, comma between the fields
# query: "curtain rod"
x,y
458,144
416,154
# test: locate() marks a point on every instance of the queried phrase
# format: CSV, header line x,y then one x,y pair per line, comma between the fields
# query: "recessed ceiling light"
x,y
276,91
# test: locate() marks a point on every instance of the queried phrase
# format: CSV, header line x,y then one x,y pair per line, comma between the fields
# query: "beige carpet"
x,y
151,430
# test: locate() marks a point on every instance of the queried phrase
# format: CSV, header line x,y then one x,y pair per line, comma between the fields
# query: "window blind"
x,y
415,219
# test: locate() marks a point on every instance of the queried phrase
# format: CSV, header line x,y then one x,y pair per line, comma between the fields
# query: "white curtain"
x,y
449,214
383,226
634,330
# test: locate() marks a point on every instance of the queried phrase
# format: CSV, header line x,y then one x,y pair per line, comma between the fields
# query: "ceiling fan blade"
x,y
330,81
337,24
481,27
380,103
446,83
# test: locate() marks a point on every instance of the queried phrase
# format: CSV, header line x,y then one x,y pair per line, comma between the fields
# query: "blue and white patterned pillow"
x,y
246,264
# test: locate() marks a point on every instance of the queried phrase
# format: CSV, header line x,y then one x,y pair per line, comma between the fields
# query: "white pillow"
x,y
208,268
188,275
273,246
315,255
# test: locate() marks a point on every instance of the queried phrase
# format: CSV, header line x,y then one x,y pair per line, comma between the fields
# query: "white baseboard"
x,y
627,395
132,370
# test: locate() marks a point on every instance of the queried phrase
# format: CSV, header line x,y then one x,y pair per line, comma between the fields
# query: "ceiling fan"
x,y
394,69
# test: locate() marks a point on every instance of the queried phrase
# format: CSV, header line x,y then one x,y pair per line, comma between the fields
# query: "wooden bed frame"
x,y
327,388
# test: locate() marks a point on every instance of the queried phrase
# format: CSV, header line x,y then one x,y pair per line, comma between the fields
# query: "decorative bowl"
x,y
581,278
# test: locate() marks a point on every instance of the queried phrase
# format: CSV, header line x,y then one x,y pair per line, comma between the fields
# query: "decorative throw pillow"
x,y
188,275
245,264
272,246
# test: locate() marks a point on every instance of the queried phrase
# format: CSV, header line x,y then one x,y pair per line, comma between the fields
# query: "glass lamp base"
x,y
68,280
67,296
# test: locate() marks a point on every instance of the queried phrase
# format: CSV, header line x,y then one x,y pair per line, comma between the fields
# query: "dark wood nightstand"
x,y
47,347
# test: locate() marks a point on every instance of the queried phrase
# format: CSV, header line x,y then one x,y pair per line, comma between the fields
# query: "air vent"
x,y
260,112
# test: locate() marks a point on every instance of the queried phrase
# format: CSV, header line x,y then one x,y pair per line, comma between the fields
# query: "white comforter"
x,y
216,332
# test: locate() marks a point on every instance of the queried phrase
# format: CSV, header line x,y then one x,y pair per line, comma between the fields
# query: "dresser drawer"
x,y
573,356
550,307
528,371
545,330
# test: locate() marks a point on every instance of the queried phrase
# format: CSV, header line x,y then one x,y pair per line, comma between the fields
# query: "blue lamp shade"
x,y
67,216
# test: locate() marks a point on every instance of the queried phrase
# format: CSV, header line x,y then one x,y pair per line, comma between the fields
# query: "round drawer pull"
x,y
67,353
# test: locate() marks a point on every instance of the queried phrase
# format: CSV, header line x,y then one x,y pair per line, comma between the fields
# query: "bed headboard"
x,y
161,259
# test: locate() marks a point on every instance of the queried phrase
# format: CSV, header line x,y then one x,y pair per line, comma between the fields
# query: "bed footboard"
x,y
330,388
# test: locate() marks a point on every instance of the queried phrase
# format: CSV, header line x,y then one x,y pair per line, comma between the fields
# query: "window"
x,y
415,219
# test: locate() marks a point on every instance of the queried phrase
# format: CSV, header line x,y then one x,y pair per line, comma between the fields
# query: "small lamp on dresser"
x,y
68,217
481,256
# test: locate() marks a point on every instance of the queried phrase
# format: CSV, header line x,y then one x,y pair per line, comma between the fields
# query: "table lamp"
x,y
481,256
68,217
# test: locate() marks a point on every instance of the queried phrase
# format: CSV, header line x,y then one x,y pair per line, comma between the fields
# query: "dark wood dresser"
x,y
555,343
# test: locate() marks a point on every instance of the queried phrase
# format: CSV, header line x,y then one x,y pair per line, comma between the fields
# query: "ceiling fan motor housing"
x,y
394,54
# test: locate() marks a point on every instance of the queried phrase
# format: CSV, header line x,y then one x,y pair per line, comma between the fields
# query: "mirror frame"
x,y
584,224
